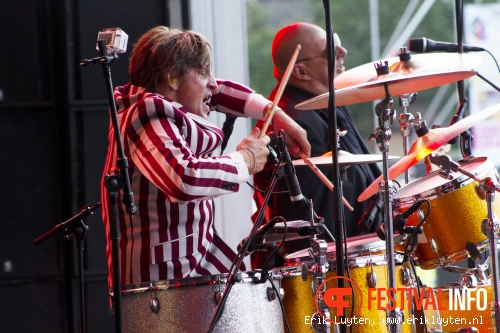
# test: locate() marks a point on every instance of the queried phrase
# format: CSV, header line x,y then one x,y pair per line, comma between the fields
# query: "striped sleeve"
x,y
239,100
160,139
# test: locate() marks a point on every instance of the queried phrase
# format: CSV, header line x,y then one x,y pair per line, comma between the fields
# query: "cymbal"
x,y
292,231
345,159
423,71
428,143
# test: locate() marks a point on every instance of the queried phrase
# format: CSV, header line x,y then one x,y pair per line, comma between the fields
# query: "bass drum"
x,y
188,305
457,211
367,268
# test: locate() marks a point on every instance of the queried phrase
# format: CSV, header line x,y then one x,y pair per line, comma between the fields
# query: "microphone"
x,y
424,45
366,221
399,221
256,238
290,177
227,128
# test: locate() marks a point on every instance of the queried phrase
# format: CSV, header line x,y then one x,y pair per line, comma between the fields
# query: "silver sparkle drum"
x,y
188,305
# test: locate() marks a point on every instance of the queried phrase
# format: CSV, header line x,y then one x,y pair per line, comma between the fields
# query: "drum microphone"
x,y
257,238
290,177
399,222
227,128
424,45
366,221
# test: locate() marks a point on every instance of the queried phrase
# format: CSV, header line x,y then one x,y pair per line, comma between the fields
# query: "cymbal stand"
x,y
405,122
382,135
490,227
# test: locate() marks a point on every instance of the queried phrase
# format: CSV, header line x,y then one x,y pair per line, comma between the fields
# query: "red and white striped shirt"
x,y
173,177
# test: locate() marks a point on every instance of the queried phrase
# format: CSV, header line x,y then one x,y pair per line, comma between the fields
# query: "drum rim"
x,y
242,277
450,258
354,262
359,250
455,184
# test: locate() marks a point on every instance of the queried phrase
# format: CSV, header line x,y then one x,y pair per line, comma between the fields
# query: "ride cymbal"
x,y
423,71
345,159
428,143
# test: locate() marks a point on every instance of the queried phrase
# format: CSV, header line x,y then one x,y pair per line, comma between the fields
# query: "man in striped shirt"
x,y
168,140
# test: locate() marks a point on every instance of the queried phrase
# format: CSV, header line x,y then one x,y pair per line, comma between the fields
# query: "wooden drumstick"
x,y
323,178
281,88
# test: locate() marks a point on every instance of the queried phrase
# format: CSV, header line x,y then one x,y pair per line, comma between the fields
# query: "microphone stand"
x,y
459,14
116,182
74,226
277,175
337,194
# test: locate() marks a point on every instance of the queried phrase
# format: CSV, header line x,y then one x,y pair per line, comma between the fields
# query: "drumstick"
x,y
281,88
323,178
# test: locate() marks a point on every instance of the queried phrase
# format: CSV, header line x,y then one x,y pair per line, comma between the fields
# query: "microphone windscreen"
x,y
416,45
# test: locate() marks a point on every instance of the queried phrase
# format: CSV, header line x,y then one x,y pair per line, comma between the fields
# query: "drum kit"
x,y
448,217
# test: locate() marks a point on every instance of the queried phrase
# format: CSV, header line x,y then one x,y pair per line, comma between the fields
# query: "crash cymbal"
x,y
345,159
292,231
421,72
428,143
419,64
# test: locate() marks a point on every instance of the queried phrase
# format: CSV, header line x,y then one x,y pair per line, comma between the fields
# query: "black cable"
x,y
410,240
281,243
264,191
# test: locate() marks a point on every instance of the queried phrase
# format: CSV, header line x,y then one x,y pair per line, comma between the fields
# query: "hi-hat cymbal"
x,y
423,71
345,159
428,143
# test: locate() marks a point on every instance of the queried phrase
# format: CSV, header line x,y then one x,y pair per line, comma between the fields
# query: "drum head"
x,y
356,246
434,185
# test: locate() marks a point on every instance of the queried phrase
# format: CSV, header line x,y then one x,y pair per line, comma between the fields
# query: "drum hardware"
x,y
468,280
476,258
372,278
320,321
406,276
154,302
434,248
490,227
468,330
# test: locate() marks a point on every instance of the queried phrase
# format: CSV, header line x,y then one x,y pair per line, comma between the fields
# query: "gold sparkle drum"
x,y
367,270
457,211
463,313
188,305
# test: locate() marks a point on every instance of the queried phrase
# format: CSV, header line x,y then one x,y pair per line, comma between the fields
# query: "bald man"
x,y
308,79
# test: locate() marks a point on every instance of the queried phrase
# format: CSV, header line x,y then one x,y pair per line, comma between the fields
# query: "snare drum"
x,y
188,305
366,270
457,211
363,245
